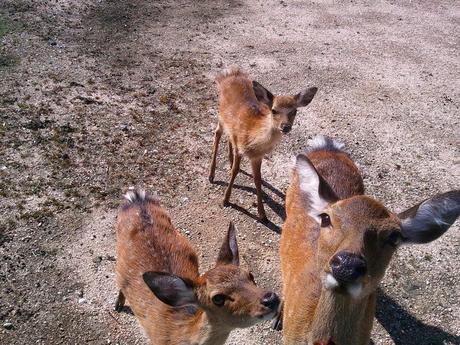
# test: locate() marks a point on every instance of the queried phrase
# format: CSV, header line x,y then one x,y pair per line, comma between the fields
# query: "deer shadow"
x,y
405,329
268,200
125,310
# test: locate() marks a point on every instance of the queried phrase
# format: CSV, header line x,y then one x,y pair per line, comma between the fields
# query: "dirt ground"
x,y
98,96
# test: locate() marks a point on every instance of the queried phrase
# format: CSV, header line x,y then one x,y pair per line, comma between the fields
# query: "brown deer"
x,y
254,121
324,342
337,243
157,272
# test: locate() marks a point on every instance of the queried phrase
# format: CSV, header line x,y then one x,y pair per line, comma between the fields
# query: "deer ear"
x,y
430,219
315,190
228,253
170,289
262,94
305,97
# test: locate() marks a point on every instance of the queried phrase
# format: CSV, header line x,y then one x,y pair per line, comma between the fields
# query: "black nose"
x,y
347,267
286,128
270,300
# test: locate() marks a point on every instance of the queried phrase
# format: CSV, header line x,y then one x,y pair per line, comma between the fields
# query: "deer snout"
x,y
348,267
286,128
270,300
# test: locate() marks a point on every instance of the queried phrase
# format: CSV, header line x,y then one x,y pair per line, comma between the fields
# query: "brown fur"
x,y
306,250
147,241
324,342
253,127
337,243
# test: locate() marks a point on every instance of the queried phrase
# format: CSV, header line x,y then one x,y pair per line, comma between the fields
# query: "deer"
x,y
157,273
324,342
255,121
337,243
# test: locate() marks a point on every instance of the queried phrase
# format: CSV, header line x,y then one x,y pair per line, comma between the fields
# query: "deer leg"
x,y
235,169
120,303
256,165
277,323
217,136
230,153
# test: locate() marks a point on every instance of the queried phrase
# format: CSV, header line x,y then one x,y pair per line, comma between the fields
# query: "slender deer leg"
x,y
256,164
119,304
235,169
217,136
277,323
230,153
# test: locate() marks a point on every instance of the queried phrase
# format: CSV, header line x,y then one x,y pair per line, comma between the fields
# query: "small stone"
x,y
97,259
124,127
8,325
81,300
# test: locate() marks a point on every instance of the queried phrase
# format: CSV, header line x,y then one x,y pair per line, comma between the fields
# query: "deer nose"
x,y
270,300
347,267
286,128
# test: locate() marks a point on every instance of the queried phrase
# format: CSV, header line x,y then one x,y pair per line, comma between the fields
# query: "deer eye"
x,y
251,277
325,220
394,238
218,300
274,111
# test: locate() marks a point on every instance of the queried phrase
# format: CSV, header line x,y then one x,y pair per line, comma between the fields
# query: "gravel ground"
x,y
97,96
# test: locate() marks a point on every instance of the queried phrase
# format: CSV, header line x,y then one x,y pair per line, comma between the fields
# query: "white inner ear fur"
x,y
309,184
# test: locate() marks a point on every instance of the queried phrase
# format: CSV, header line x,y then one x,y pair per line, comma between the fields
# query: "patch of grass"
x,y
53,203
38,215
7,25
4,27
8,60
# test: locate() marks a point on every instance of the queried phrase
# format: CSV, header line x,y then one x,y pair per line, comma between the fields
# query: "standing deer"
x,y
337,243
157,272
254,121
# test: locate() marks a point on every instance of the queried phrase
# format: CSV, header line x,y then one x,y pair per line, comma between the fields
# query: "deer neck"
x,y
207,331
348,321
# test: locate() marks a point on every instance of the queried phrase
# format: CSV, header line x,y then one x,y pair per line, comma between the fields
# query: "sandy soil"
x,y
97,96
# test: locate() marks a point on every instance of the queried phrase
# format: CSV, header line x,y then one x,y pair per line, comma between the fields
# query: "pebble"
x,y
8,325
81,300
97,259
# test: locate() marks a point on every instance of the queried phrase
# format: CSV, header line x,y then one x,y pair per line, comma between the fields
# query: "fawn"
x,y
337,243
157,272
254,121
324,342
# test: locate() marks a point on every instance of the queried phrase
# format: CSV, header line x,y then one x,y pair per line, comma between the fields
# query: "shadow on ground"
x,y
405,329
268,200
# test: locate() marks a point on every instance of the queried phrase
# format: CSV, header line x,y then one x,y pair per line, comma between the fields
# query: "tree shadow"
x,y
405,329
